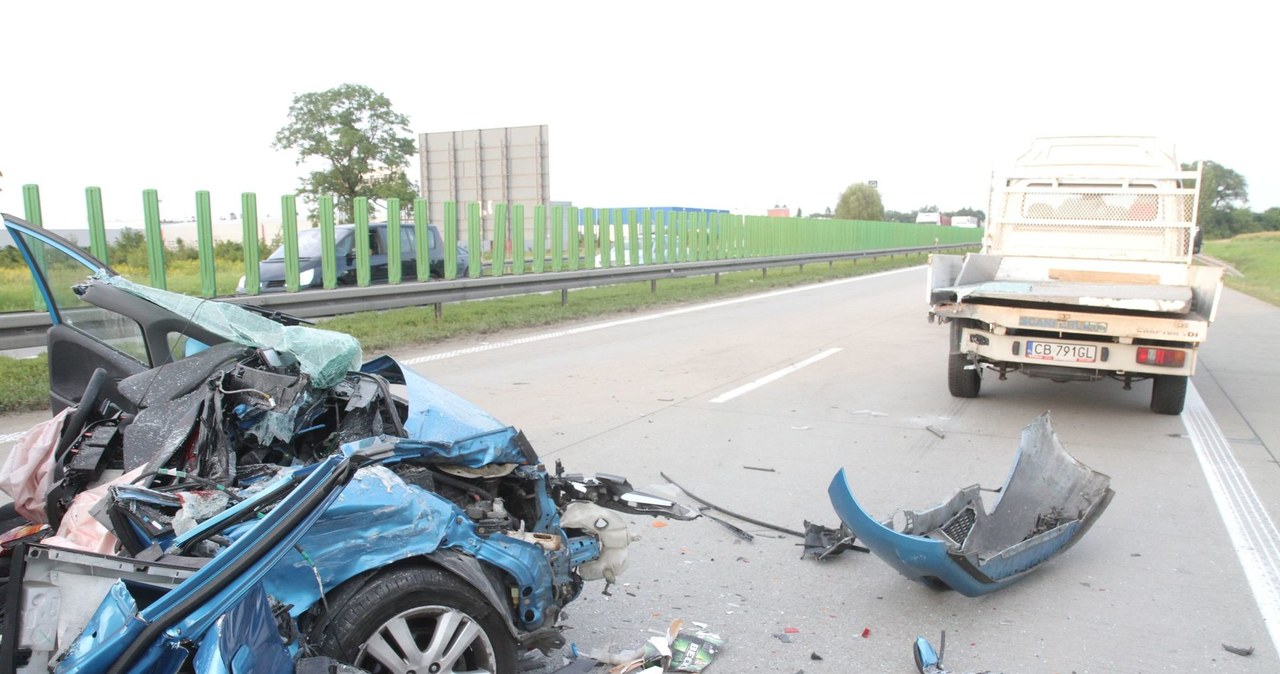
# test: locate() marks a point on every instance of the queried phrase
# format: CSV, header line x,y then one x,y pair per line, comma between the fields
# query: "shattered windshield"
x,y
323,355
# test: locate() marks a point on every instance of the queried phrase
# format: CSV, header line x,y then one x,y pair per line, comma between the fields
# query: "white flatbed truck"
x,y
1086,272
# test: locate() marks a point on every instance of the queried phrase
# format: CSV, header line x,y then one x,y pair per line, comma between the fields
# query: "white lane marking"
x,y
640,319
1252,531
746,388
11,437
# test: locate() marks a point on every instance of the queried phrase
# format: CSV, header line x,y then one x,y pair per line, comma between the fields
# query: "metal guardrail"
x,y
22,330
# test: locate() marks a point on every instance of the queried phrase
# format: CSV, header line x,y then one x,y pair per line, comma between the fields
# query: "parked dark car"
x,y
310,254
269,503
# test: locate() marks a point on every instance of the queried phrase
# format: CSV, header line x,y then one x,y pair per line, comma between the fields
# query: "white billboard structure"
x,y
509,165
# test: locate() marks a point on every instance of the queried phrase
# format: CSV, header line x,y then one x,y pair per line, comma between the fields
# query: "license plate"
x,y
1067,353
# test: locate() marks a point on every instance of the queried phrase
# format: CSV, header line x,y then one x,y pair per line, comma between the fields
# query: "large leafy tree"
x,y
1222,192
366,144
860,201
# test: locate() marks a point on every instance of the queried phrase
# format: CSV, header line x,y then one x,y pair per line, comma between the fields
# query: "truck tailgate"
x,y
1130,297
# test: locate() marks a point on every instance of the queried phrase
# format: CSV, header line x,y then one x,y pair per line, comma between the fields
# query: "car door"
x,y
83,337
408,254
378,254
94,325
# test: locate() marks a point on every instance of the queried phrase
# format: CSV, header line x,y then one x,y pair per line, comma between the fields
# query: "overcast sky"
x,y
736,105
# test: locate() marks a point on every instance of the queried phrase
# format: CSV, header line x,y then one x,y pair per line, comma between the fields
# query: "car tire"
x,y
962,381
409,618
1168,394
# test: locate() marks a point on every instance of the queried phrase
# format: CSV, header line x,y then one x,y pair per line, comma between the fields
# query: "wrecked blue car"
x,y
232,490
1048,501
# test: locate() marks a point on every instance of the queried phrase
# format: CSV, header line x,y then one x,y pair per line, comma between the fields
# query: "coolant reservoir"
x,y
610,528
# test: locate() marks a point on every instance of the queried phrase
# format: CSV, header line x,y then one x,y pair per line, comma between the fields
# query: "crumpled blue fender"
x,y
400,521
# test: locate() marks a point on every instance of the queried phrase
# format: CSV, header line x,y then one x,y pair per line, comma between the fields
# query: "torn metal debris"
x,y
730,513
823,542
1047,503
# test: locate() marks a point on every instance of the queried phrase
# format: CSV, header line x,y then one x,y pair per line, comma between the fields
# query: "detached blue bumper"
x,y
1045,506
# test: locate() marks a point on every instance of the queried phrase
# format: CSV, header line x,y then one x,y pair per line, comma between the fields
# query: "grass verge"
x,y
27,380
1257,257
26,384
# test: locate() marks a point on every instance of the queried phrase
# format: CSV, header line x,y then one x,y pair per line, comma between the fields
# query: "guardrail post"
x,y
155,238
31,205
361,209
739,225
499,239
394,254
328,244
33,215
450,230
604,247
517,239
698,225
475,241
572,235
619,259
422,237
97,223
204,245
289,234
646,236
682,237
732,236
713,237
557,237
662,235
633,236
587,218
252,256
539,238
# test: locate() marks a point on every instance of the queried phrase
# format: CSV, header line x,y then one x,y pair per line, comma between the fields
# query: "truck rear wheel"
x,y
964,382
1168,394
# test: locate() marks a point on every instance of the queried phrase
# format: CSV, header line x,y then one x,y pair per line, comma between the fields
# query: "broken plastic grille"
x,y
958,527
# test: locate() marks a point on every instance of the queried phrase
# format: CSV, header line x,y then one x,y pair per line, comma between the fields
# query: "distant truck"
x,y
1085,272
969,221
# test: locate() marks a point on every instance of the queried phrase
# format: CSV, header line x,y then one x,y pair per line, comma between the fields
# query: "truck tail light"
x,y
1161,357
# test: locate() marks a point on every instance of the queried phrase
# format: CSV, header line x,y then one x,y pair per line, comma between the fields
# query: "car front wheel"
x,y
417,619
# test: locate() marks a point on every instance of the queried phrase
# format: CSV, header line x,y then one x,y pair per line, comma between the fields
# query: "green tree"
x,y
366,144
1270,219
1222,192
860,201
130,248
971,211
